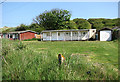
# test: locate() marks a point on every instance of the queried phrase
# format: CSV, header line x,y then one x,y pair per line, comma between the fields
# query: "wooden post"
x,y
57,35
64,35
88,34
71,35
50,36
78,35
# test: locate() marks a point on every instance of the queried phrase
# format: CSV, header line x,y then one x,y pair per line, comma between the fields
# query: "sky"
x,y
16,13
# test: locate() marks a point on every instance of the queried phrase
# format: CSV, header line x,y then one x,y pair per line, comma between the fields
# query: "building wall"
x,y
76,35
105,35
92,33
27,35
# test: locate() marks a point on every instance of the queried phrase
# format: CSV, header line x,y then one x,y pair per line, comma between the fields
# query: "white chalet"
x,y
64,35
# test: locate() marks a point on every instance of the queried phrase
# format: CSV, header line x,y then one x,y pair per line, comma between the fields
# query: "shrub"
x,y
20,45
33,39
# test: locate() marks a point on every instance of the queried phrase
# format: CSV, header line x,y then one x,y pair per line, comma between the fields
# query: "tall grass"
x,y
38,61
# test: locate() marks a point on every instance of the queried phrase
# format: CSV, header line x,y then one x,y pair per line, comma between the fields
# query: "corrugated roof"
x,y
65,30
22,31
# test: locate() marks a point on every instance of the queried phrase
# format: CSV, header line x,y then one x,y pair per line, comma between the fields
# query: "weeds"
x,y
29,63
20,46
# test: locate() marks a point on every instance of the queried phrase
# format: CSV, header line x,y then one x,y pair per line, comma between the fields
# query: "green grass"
x,y
36,60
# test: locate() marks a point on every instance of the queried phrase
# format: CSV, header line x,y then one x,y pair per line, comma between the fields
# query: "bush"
x,y
33,39
20,45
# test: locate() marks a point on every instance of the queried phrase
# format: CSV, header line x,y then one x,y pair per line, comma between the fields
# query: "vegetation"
x,y
34,39
82,23
56,19
36,60
22,27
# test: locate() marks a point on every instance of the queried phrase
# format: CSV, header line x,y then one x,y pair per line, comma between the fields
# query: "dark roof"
x,y
22,31
65,30
105,29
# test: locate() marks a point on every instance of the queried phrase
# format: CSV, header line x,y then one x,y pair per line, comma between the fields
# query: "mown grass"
x,y
36,60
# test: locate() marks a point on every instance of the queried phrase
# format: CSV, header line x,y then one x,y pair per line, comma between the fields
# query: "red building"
x,y
21,35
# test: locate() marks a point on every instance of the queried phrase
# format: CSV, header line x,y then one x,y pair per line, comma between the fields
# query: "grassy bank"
x,y
36,60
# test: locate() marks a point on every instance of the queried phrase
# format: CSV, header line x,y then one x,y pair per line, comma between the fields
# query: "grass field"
x,y
36,60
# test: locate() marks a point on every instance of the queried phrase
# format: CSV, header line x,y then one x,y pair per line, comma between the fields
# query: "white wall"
x,y
54,36
92,33
105,36
81,35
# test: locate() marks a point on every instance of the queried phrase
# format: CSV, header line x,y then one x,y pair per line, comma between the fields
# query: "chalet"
x,y
20,35
64,35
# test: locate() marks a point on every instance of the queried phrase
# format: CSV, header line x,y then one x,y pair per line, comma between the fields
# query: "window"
x,y
48,34
68,34
75,33
58,34
84,33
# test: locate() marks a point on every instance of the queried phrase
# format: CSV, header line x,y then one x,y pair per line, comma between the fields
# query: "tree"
x,y
22,27
35,27
96,23
116,22
54,19
82,23
70,25
102,22
109,23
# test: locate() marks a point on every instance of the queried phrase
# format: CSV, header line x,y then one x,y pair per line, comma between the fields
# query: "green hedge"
x,y
33,39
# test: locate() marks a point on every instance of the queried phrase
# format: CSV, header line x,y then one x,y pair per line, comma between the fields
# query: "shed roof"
x,y
105,29
22,31
65,30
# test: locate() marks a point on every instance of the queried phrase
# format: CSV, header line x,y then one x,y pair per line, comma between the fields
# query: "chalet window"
x,y
48,34
58,34
68,33
75,34
84,33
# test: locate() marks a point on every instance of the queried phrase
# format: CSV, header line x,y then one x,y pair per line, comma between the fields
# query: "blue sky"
x,y
16,13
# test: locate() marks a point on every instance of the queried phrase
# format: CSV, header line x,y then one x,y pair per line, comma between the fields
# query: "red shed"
x,y
21,35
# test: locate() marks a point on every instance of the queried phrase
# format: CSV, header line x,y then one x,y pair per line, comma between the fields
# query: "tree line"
x,y
58,19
